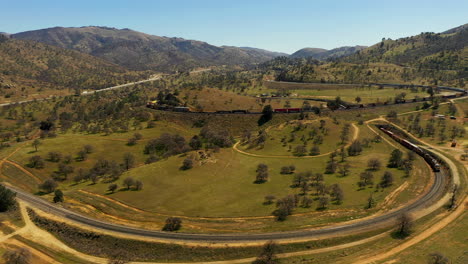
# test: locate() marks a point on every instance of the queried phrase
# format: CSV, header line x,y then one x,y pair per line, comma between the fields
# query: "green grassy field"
x,y
222,186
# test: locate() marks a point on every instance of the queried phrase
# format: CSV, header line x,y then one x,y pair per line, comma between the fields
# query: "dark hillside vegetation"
x,y
140,51
28,67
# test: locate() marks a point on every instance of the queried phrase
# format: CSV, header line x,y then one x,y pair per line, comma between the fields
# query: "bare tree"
x,y
374,164
404,225
129,161
437,258
268,254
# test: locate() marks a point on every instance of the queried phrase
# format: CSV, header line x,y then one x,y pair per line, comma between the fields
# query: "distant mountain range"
x,y
323,54
139,51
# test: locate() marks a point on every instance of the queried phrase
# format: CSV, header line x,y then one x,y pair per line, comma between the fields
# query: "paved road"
x,y
436,191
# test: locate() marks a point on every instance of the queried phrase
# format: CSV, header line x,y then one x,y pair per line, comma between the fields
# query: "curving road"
x,y
436,191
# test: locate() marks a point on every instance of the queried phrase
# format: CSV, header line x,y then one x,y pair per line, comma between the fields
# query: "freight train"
x,y
429,158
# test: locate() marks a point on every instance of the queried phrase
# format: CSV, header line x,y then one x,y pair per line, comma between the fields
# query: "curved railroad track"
x,y
436,191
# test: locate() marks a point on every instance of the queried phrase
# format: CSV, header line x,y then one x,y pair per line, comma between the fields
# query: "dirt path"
x,y
355,136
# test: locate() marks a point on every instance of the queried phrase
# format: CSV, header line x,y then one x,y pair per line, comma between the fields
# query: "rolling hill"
x,y
31,69
438,51
323,54
139,51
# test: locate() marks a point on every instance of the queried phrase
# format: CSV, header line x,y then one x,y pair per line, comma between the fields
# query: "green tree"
x,y
58,196
36,143
7,198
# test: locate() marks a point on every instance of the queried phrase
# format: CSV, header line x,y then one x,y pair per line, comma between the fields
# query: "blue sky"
x,y
276,25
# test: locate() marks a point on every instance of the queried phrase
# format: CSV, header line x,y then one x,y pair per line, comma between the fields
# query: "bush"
x,y
187,164
172,224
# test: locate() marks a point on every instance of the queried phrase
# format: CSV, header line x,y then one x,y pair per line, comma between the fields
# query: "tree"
x,y
269,199
322,202
337,193
7,198
129,182
195,143
331,167
300,151
366,178
387,179
128,161
112,187
315,150
58,196
262,173
67,159
344,169
370,202
138,136
355,148
267,115
268,254
36,143
17,256
172,224
437,258
48,185
404,225
88,149
131,141
54,156
374,164
82,155
138,185
396,159
187,164
288,169
357,99
64,170
36,162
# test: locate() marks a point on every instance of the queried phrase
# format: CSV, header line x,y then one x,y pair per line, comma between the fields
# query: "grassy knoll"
x,y
283,139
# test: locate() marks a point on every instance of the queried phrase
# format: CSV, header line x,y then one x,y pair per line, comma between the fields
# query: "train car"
x,y
181,109
280,110
151,104
223,112
294,110
421,152
240,111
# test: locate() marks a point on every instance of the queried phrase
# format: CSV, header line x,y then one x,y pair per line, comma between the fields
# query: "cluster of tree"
x,y
434,128
397,160
129,182
366,178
